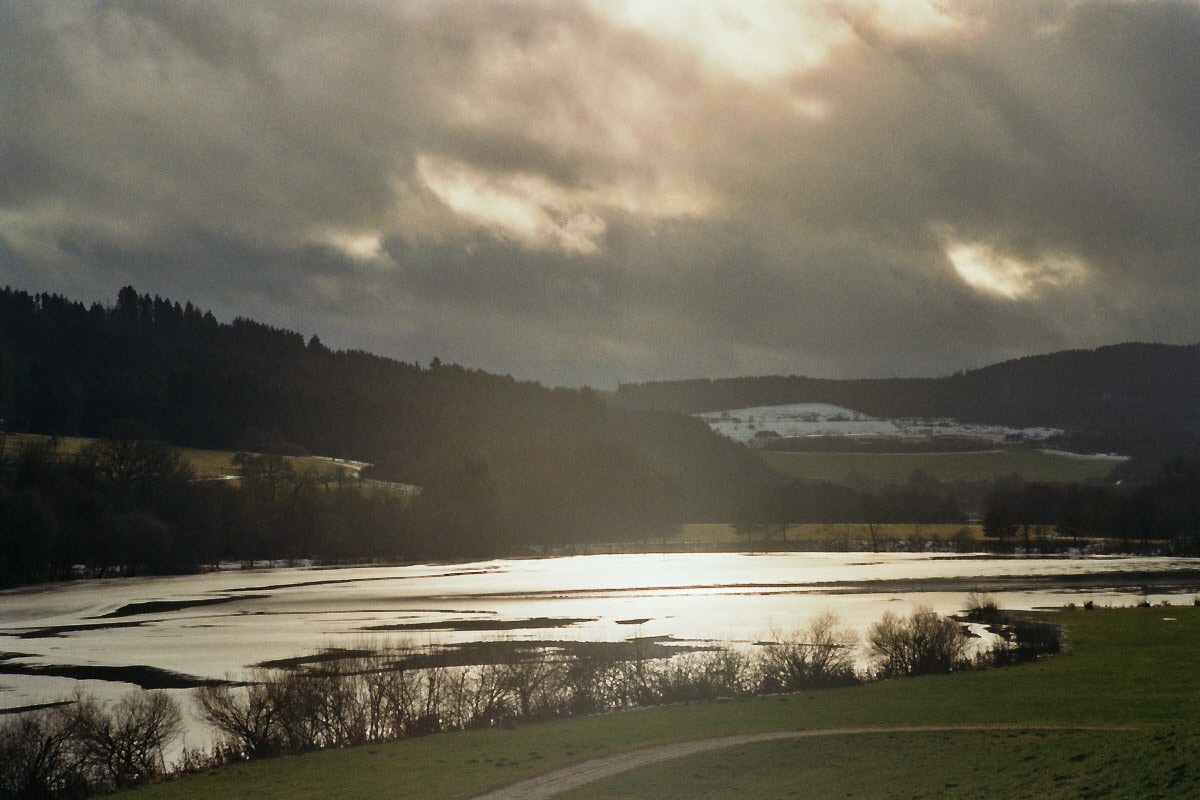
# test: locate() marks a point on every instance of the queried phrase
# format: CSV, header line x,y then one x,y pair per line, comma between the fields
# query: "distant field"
x,y
724,533
1031,464
205,463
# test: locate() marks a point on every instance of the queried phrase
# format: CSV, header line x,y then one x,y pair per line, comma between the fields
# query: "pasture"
x,y
1033,465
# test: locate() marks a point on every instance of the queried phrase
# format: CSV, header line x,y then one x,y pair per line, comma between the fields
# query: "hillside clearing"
x,y
205,463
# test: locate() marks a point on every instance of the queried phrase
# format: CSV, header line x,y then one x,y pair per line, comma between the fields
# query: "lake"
x,y
106,636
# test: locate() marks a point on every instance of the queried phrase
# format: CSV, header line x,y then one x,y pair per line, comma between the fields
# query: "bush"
x,y
982,607
82,748
246,717
818,656
922,644
703,675
37,757
1022,640
123,746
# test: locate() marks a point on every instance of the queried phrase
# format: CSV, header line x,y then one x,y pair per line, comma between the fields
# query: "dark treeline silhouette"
x,y
133,507
920,499
124,506
497,457
1137,398
1163,510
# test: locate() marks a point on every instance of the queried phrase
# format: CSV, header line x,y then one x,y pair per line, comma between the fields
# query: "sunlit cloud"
x,y
362,246
906,18
534,211
990,271
754,40
763,40
813,108
597,190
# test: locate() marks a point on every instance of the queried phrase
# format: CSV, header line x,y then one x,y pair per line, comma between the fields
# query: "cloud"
x,y
597,191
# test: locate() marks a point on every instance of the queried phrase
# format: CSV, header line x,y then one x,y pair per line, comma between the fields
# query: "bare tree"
x,y
531,681
37,760
247,717
875,534
123,746
817,656
922,644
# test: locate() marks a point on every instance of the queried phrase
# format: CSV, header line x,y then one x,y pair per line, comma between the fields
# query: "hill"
x,y
1133,397
538,463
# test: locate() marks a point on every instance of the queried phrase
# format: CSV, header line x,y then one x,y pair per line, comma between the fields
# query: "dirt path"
x,y
553,783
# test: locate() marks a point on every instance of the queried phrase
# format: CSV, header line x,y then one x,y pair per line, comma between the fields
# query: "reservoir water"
x,y
108,636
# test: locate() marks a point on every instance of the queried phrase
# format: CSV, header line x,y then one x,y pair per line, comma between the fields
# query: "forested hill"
x,y
1123,386
560,463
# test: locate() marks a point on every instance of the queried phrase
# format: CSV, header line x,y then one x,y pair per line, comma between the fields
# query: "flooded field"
x,y
175,633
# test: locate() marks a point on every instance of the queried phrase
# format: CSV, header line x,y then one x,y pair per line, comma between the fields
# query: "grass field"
x,y
725,533
1125,667
1031,464
205,463
997,765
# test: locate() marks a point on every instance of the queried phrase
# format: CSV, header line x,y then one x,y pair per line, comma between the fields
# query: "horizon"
x,y
306,334
594,193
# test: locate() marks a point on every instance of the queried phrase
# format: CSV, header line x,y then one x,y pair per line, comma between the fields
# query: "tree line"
x,y
918,499
520,459
127,506
1163,510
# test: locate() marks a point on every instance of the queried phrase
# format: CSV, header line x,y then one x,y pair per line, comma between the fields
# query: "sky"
x,y
594,191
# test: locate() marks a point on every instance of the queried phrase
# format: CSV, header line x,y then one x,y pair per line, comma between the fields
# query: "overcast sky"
x,y
593,192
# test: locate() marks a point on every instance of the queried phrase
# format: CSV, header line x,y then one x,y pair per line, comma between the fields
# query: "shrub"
x,y
246,717
922,644
82,747
982,607
1022,640
37,757
123,745
705,675
820,655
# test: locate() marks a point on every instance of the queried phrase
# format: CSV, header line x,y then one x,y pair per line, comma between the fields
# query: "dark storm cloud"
x,y
552,190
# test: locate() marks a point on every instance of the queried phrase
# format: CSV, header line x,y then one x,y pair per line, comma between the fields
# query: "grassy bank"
x,y
1033,465
1128,666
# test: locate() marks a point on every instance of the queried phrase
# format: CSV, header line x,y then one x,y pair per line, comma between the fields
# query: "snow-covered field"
x,y
822,419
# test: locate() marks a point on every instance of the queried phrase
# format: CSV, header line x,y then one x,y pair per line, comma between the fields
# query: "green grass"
x,y
1125,666
996,765
1032,464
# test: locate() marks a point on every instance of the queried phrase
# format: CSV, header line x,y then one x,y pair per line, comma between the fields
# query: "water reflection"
x,y
213,625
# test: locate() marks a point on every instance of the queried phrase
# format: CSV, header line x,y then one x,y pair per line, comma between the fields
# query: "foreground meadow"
x,y
1132,669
